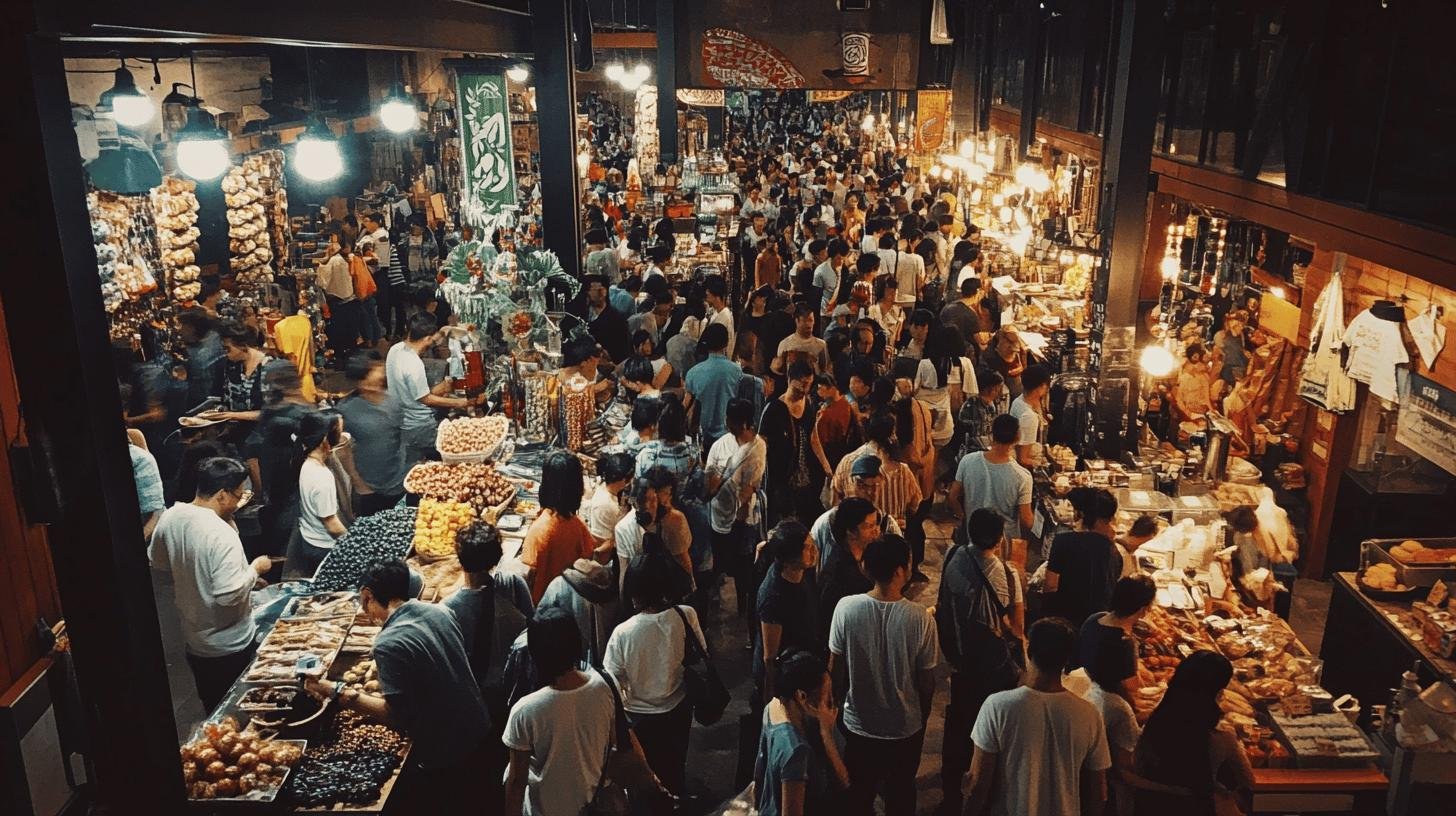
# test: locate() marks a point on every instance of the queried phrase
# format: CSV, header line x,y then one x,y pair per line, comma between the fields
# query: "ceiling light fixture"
x,y
518,73
202,149
316,154
129,106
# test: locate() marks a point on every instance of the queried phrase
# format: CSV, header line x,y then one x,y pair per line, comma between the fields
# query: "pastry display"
x,y
268,698
1414,552
292,640
472,435
443,577
174,206
120,227
436,525
479,485
374,538
225,762
1382,577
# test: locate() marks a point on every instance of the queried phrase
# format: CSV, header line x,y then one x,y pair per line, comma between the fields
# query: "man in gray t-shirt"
x,y
994,480
405,373
890,649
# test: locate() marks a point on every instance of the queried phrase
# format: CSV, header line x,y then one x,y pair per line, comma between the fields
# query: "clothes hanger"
x,y
1388,310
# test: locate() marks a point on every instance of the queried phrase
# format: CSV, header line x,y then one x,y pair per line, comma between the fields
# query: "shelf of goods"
x,y
1315,754
123,232
257,217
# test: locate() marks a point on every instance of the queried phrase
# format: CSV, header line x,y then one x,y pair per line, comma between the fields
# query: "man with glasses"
x,y
198,543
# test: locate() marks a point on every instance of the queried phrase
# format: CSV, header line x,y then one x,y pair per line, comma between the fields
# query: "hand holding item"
x,y
262,564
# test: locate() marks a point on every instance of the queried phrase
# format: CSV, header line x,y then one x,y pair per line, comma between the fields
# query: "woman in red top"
x,y
557,537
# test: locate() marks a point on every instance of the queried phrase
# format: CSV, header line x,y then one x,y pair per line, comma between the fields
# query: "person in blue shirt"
x,y
712,383
623,296
798,769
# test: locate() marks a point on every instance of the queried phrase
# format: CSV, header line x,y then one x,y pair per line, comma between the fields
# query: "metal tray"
x,y
1377,551
255,795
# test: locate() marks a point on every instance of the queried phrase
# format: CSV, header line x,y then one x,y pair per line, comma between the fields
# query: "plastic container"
x,y
1201,509
1138,502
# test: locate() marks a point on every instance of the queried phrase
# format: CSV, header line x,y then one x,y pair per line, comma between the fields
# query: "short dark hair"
x,y
799,369
887,241
387,581
478,545
803,310
715,285
637,369
197,319
969,286
797,670
1131,594
360,363
650,577
826,381
422,325
786,542
883,556
920,317
645,411
867,263
672,421
1093,504
838,247
986,379
578,350
1243,519
817,246
1144,526
739,414
1005,430
615,467
554,642
1035,377
850,514
1050,644
561,485
985,528
238,334
640,336
217,474
881,429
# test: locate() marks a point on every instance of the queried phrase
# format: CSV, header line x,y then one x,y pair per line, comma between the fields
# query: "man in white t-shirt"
x,y
1030,412
889,649
909,271
826,277
715,295
604,509
198,543
404,370
1040,748
735,468
558,736
993,479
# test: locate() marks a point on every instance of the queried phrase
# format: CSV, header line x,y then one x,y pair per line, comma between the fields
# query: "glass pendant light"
x,y
398,112
316,154
129,106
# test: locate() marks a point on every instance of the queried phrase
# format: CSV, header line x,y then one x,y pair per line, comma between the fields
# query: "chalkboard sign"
x,y
1427,422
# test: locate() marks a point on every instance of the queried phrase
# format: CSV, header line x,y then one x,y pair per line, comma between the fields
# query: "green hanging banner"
x,y
488,191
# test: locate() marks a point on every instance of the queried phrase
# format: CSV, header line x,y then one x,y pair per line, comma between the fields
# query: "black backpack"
x,y
973,637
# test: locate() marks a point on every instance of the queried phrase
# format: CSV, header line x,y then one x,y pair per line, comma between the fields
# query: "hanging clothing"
x,y
1323,380
1375,350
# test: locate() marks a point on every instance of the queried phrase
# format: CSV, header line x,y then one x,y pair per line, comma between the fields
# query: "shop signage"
x,y
933,110
701,97
735,60
489,178
855,47
827,97
1427,422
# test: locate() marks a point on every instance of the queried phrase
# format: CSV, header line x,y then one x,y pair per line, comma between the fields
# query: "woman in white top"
x,y
884,311
942,380
645,655
320,522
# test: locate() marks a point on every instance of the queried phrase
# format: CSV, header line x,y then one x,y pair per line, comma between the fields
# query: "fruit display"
x,y
227,763
1414,552
479,485
352,767
472,435
253,192
377,537
290,640
436,525
174,206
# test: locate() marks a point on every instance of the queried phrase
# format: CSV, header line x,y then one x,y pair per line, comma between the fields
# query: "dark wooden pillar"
x,y
666,81
556,117
1127,158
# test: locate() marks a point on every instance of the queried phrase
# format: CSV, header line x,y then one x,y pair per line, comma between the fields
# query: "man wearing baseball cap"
x,y
865,478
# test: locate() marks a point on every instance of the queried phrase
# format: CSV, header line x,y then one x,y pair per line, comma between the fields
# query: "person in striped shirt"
x,y
899,491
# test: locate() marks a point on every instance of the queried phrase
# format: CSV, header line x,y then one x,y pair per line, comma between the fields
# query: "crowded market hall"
x,y
665,408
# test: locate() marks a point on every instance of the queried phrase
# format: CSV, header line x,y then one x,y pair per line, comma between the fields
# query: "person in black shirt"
x,y
606,325
1083,565
1107,648
787,609
856,523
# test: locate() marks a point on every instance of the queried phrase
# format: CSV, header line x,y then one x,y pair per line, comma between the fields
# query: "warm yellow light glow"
x,y
1157,361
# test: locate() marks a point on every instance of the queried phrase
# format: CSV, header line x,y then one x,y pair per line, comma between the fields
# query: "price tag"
x,y
1439,593
1296,705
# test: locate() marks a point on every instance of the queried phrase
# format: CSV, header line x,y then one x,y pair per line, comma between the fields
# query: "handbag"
x,y
707,694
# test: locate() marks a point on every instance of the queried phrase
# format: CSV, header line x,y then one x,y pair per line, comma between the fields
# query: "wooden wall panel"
x,y
27,582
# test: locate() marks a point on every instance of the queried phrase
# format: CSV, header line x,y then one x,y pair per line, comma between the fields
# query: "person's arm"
x,y
925,688
335,527
1025,516
516,783
817,445
149,524
1094,790
1053,577
983,774
791,798
240,416
436,398
772,635
662,376
1235,761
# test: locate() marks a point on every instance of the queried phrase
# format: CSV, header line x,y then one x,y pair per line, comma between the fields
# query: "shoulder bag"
x,y
610,796
707,694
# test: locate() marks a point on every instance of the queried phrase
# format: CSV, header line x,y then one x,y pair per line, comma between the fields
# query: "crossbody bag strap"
x,y
990,590
693,645
621,735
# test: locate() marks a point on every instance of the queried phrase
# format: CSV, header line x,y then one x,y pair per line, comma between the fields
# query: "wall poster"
x,y
735,60
489,179
1427,422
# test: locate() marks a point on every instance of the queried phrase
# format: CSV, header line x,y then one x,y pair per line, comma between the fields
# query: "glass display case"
x,y
1381,464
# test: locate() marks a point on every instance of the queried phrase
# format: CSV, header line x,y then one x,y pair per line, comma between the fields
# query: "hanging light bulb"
x,y
518,73
935,172
975,172
1157,361
1169,267
968,148
615,72
868,124
129,106
316,154
642,73
202,149
397,112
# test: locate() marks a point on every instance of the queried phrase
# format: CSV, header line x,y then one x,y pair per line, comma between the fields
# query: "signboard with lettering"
x,y
1427,422
489,177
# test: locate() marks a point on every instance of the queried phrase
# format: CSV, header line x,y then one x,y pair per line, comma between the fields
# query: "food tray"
x,y
322,606
1299,734
256,674
245,705
1377,550
482,456
257,795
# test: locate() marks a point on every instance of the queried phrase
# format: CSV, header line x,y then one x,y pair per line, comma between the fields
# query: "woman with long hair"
x,y
557,537
1182,746
768,268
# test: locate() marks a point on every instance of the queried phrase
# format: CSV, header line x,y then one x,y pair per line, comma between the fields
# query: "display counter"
x,y
1369,643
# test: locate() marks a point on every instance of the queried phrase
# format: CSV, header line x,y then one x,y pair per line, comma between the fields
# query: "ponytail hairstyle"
x,y
315,428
